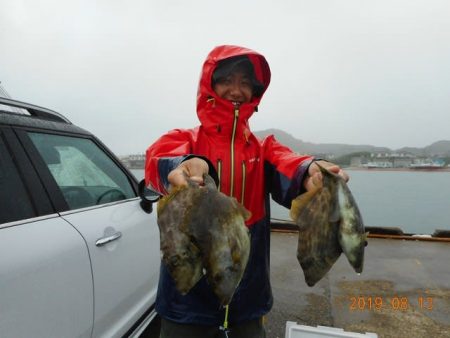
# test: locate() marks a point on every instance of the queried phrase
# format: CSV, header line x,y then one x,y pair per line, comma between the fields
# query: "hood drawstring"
x,y
213,100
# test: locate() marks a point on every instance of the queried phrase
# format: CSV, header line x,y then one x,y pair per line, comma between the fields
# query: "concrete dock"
x,y
403,291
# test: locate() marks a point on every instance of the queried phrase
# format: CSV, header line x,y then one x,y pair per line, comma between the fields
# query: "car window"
x,y
82,170
15,203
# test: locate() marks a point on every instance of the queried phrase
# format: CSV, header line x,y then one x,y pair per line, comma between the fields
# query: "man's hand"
x,y
193,168
314,179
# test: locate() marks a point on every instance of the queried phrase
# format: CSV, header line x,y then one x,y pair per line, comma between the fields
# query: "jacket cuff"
x,y
165,166
301,174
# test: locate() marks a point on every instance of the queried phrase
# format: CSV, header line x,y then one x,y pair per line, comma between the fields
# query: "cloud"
x,y
348,72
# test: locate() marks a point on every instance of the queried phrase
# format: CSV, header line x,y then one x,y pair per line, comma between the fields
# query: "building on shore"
x,y
383,160
396,160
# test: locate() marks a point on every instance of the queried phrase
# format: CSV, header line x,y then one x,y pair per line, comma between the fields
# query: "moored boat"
x,y
429,165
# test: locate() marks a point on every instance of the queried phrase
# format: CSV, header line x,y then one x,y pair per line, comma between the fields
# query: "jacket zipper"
x,y
219,171
236,116
243,183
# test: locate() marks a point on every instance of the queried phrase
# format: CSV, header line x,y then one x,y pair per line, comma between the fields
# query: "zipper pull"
x,y
236,108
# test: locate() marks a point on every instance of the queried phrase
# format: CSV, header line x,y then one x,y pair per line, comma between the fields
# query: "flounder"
x,y
329,222
209,227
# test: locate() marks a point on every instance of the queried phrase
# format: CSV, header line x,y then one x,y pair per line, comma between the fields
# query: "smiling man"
x,y
234,80
232,83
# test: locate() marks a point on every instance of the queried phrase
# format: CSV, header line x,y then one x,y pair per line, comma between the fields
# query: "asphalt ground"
x,y
403,291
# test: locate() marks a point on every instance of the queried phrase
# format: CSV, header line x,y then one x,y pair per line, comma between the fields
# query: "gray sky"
x,y
345,71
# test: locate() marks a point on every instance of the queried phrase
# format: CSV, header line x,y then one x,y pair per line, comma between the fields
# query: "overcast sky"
x,y
345,71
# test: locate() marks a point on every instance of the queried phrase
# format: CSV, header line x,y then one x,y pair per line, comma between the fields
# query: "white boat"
x,y
428,165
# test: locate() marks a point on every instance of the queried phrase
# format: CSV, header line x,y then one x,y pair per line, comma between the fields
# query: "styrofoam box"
x,y
293,330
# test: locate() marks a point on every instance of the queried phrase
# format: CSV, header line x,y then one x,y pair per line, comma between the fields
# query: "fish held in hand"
x,y
217,225
329,222
203,229
316,214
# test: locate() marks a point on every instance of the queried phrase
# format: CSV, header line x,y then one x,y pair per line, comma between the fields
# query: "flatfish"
x,y
329,223
211,236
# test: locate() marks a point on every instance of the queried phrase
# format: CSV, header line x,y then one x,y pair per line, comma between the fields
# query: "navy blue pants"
x,y
251,329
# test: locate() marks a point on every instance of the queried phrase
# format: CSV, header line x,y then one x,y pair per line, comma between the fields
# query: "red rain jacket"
x,y
248,169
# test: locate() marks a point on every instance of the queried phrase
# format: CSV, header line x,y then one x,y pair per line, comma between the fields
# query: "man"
x,y
232,84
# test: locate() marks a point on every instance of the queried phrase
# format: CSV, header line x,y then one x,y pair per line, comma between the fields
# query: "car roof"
x,y
13,112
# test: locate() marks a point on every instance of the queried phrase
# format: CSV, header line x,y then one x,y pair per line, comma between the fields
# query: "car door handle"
x,y
104,240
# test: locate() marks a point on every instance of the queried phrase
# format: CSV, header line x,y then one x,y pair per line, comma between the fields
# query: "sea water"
x,y
414,201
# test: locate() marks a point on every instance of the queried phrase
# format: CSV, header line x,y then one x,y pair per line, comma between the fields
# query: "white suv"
x,y
79,250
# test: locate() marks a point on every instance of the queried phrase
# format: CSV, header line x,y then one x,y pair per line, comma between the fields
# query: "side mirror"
x,y
148,197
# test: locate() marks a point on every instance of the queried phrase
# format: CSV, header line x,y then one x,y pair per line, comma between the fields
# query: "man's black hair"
x,y
227,66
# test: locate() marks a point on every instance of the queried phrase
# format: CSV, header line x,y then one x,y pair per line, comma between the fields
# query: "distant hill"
x,y
439,148
318,148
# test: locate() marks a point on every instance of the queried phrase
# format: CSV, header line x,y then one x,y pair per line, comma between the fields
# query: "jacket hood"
x,y
216,113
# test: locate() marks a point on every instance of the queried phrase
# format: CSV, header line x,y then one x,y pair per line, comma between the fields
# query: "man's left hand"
x,y
314,179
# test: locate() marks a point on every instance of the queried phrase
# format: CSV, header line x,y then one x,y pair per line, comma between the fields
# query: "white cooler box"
x,y
293,330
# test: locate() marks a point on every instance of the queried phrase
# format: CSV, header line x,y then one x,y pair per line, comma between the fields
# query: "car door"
x,y
102,204
46,287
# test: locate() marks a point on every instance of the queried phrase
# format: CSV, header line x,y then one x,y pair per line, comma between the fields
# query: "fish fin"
x,y
245,213
242,210
300,202
365,238
234,249
162,202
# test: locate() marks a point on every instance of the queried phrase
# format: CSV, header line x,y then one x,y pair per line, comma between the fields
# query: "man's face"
x,y
236,87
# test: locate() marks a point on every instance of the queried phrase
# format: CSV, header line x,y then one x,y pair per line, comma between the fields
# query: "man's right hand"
x,y
193,168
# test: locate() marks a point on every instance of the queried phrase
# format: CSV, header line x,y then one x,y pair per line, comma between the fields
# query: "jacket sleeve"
x,y
285,171
166,154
